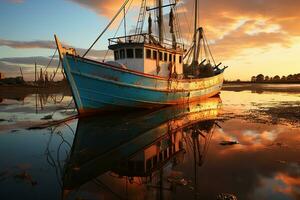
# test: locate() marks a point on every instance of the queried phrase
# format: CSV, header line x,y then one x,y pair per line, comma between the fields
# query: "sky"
x,y
251,37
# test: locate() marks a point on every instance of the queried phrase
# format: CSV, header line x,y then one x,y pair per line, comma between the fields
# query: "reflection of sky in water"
x,y
32,109
264,165
248,100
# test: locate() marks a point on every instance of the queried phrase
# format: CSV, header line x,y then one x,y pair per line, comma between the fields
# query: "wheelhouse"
x,y
142,53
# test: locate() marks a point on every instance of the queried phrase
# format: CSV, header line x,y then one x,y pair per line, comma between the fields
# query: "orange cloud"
x,y
291,184
105,8
233,25
240,24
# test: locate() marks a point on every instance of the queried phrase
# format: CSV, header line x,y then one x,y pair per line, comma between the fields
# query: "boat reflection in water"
x,y
138,155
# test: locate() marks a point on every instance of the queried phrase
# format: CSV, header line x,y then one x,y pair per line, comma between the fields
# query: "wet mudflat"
x,y
243,145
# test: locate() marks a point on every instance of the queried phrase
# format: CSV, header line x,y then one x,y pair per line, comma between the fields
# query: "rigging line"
x,y
205,49
177,24
124,12
191,46
68,106
209,49
188,52
51,59
119,26
201,52
113,19
60,168
141,18
208,142
52,78
49,156
72,131
189,25
180,35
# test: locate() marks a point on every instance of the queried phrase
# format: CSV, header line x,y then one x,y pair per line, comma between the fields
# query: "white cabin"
x,y
149,58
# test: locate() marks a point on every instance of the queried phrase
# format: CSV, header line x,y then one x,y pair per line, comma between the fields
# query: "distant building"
x,y
1,76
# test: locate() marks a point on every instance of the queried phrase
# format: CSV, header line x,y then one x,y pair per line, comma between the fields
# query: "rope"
x,y
124,19
51,60
178,27
52,78
189,26
119,26
209,49
113,19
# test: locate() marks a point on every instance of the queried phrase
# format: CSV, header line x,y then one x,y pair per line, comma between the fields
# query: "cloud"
x,y
47,44
11,70
40,60
239,24
248,36
11,66
105,8
232,26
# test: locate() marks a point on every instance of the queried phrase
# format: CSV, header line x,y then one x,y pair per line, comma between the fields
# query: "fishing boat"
x,y
148,70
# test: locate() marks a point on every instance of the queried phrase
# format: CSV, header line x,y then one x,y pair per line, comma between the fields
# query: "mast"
x,y
124,13
160,22
195,31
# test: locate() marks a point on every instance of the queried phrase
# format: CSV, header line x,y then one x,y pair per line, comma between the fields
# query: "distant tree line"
x,y
260,78
12,81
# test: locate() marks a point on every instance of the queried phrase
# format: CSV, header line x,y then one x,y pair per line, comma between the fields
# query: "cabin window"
x,y
139,53
148,53
180,59
154,55
116,53
165,57
160,56
122,54
170,57
129,53
174,58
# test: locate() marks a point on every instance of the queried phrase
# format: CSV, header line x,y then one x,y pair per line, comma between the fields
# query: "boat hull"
x,y
99,86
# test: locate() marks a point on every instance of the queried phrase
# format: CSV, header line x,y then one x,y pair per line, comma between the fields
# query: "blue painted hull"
x,y
99,86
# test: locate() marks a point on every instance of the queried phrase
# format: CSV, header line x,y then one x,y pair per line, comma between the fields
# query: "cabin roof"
x,y
145,45
144,40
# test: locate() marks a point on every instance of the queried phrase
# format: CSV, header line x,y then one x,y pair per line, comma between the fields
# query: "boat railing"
x,y
143,38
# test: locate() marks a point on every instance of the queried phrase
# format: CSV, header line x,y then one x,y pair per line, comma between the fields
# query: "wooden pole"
x,y
195,30
160,22
35,73
21,73
124,12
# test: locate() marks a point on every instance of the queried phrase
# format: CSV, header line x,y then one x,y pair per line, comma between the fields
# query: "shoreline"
x,y
262,87
19,92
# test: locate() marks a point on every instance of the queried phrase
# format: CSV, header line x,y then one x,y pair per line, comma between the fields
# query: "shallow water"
x,y
244,144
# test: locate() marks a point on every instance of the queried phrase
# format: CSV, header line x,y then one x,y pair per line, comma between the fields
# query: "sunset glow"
x,y
251,37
